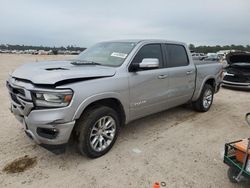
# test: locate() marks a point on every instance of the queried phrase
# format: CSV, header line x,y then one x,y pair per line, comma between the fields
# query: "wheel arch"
x,y
110,100
209,80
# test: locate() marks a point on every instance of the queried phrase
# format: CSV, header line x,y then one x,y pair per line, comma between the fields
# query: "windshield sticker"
x,y
120,55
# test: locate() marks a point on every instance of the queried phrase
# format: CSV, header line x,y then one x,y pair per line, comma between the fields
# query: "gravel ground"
x,y
180,147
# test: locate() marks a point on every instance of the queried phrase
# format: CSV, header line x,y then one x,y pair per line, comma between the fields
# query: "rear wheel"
x,y
205,100
97,131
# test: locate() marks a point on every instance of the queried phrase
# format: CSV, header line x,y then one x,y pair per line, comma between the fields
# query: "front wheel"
x,y
205,100
97,131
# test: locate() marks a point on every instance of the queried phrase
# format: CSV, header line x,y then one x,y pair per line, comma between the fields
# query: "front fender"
x,y
86,102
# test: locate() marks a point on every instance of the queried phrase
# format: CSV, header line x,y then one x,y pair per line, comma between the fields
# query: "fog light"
x,y
47,132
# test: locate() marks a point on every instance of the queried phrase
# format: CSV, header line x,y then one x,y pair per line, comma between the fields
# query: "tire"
x,y
200,105
95,136
232,173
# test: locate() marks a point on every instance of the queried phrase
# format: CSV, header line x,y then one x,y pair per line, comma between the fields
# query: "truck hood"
x,y
238,57
53,72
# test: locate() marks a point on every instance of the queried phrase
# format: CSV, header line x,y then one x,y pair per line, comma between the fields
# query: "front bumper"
x,y
52,136
50,128
236,85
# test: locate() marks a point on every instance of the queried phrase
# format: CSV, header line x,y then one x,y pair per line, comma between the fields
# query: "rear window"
x,y
177,55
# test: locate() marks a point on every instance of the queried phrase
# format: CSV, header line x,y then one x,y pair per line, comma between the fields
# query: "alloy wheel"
x,y
102,133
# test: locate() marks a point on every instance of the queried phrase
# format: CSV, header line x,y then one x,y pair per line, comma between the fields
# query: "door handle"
x,y
162,76
189,72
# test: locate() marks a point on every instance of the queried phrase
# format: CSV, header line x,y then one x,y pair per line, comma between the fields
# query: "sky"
x,y
83,23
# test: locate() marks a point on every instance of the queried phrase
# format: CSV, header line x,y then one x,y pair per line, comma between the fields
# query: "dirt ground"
x,y
180,147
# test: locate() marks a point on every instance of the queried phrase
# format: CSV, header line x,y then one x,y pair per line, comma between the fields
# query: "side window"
x,y
177,55
149,51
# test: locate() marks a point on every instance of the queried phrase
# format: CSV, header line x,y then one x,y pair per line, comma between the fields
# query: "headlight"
x,y
52,99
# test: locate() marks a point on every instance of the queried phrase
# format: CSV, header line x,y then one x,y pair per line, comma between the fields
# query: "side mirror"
x,y
149,63
146,64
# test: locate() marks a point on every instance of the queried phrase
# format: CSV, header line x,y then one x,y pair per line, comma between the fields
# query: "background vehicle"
x,y
237,73
212,57
198,56
107,86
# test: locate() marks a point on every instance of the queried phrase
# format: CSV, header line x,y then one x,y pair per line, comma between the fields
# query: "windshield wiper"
x,y
83,62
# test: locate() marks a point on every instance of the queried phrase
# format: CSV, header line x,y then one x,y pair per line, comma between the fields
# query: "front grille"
x,y
14,98
236,79
15,91
21,104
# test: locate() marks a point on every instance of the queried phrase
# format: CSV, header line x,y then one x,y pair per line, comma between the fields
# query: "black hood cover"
x,y
238,57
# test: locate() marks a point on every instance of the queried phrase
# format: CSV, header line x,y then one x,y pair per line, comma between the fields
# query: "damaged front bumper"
x,y
236,85
50,128
53,137
236,81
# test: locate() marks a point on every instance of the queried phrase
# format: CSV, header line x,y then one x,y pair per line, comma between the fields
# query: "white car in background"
x,y
198,56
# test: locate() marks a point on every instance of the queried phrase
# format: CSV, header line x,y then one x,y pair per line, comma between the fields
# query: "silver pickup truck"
x,y
107,86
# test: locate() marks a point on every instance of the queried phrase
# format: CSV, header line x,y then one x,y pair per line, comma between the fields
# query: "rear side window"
x,y
177,55
149,51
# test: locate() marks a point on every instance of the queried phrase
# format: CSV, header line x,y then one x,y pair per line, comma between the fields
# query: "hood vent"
x,y
56,68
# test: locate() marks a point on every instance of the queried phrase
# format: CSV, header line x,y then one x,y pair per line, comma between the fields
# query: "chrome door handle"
x,y
189,72
162,76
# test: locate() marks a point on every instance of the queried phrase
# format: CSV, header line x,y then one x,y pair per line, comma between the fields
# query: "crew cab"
x,y
108,85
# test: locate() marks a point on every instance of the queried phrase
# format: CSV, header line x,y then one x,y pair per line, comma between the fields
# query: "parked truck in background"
x,y
107,86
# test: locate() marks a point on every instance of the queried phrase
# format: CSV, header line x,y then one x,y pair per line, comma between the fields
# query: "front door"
x,y
148,88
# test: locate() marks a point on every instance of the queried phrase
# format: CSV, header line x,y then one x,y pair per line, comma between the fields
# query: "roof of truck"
x,y
147,40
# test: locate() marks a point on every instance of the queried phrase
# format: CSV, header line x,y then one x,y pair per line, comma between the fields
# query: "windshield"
x,y
107,53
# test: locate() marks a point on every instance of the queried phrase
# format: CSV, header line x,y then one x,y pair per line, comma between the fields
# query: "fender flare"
x,y
86,102
197,94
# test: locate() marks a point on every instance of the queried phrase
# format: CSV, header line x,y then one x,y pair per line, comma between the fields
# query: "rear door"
x,y
181,75
148,88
